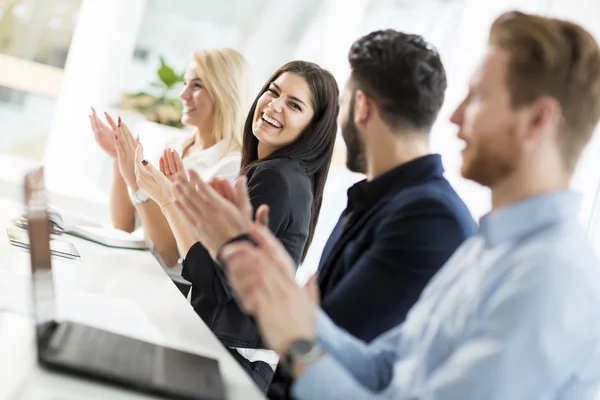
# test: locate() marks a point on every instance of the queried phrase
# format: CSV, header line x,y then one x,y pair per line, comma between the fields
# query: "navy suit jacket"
x,y
372,272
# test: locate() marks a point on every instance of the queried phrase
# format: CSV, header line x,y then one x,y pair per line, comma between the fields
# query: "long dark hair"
x,y
314,147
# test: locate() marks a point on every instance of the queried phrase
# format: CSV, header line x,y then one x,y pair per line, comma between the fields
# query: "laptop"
x,y
96,354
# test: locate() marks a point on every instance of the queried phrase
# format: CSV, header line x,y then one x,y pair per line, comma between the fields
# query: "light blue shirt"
x,y
514,314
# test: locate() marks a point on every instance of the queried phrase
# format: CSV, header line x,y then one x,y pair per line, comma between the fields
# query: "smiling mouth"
x,y
271,121
187,110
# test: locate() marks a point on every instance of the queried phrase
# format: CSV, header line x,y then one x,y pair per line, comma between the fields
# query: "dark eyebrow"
x,y
291,97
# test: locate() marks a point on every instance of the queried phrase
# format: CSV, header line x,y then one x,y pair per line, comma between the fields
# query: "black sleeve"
x,y
266,186
387,279
269,186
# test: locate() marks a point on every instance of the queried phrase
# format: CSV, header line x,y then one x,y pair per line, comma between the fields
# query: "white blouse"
x,y
209,162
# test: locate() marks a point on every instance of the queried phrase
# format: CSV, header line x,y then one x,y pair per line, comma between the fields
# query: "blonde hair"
x,y
557,58
227,76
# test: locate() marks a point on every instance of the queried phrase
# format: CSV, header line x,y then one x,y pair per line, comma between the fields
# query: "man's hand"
x,y
238,195
263,277
215,220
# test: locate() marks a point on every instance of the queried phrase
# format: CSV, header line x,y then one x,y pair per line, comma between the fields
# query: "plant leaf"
x,y
167,76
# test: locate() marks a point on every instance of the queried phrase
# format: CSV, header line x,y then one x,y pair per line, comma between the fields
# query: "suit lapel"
x,y
333,239
327,262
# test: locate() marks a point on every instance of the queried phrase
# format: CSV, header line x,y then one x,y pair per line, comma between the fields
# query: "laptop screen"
x,y
42,284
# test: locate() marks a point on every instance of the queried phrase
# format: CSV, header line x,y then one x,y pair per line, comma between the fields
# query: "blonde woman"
x,y
216,99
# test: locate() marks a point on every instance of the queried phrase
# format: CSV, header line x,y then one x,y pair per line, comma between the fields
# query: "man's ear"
x,y
361,107
546,114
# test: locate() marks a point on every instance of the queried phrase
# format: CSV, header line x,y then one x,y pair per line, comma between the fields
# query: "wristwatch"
x,y
301,351
138,197
244,237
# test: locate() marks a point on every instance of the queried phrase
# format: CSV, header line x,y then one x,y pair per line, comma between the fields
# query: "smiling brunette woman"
x,y
287,146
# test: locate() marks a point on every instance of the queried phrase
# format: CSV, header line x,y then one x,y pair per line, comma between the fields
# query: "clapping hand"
x,y
105,135
126,145
171,164
216,211
152,181
238,195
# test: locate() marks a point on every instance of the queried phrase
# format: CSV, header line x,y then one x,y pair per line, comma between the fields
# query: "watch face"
x,y
302,346
140,195
302,350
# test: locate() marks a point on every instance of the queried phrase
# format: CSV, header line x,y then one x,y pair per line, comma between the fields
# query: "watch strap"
x,y
244,237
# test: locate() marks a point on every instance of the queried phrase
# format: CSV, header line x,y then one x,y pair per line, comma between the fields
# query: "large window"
x,y
35,36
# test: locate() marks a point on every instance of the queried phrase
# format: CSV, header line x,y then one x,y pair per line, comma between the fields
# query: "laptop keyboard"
x,y
120,355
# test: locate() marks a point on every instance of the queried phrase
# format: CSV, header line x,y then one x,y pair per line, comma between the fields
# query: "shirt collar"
x,y
365,194
528,216
208,156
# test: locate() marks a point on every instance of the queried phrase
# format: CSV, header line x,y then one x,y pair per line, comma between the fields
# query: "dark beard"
x,y
356,160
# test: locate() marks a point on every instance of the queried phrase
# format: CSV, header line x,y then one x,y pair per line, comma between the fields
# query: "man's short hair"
x,y
557,58
402,74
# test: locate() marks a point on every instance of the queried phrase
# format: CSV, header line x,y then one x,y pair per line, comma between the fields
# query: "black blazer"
x,y
285,187
405,225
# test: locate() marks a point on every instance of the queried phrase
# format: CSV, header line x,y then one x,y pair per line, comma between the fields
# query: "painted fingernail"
x,y
119,123
144,162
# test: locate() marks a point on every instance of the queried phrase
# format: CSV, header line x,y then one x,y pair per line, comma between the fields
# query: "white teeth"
x,y
271,121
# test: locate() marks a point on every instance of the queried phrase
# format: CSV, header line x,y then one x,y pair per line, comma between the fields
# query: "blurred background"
x,y
59,57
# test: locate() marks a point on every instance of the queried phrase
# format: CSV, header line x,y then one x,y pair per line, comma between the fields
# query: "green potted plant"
x,y
162,105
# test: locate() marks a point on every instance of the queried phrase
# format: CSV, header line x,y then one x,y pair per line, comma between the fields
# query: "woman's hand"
x,y
171,164
126,145
105,136
156,185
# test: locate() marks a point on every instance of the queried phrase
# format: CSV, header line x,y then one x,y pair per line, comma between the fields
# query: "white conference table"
x,y
124,291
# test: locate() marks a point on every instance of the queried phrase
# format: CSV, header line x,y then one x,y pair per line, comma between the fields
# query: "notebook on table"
x,y
89,230
20,238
